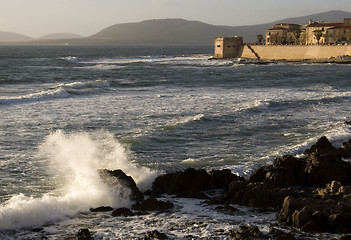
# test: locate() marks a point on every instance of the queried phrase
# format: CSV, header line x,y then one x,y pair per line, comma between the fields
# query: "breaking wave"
x,y
63,90
73,161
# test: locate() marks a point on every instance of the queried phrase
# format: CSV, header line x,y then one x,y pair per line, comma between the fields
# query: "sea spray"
x,y
73,161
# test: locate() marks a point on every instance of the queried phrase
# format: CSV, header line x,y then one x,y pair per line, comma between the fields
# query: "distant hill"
x,y
180,31
160,31
53,36
13,37
175,32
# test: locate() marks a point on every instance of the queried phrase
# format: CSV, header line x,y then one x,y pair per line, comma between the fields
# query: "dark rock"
x,y
345,149
285,236
322,146
256,195
154,235
101,209
192,180
152,204
37,229
83,234
119,178
320,170
246,232
280,235
226,208
122,212
322,210
345,237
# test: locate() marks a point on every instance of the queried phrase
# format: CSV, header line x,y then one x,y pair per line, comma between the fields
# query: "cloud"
x,y
162,3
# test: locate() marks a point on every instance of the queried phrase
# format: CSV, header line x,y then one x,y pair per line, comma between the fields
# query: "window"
x,y
218,45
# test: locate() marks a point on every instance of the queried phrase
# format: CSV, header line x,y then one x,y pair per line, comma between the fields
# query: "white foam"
x,y
75,160
43,95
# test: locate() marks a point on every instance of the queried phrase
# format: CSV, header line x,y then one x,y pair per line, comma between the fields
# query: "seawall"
x,y
294,53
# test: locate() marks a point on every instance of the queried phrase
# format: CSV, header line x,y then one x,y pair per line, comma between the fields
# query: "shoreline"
x,y
310,196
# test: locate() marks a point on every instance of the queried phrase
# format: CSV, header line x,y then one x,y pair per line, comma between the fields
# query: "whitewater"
x,y
68,111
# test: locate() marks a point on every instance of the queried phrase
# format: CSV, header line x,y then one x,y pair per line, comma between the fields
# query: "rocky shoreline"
x,y
310,193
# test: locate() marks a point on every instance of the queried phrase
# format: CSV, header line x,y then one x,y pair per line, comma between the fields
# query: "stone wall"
x,y
300,52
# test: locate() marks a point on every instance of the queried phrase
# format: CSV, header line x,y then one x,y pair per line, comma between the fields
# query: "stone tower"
x,y
228,47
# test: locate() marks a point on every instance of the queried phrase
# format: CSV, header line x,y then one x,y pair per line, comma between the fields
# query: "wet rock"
x,y
322,169
119,178
322,146
122,212
83,234
281,235
101,209
322,210
154,235
323,165
246,232
257,195
193,181
345,149
152,204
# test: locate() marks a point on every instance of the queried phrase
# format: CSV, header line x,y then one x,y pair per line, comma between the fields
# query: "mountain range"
x,y
168,32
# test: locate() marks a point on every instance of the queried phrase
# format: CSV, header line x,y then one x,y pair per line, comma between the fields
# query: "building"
x,y
316,32
228,47
313,33
283,33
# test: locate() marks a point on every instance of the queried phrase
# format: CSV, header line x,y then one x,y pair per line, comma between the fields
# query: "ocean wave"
x,y
73,161
62,90
43,95
183,121
253,105
71,59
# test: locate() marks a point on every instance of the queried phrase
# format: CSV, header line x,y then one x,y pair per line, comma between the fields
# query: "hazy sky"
x,y
36,18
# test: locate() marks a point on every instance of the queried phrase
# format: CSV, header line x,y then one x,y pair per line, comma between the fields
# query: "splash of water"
x,y
74,160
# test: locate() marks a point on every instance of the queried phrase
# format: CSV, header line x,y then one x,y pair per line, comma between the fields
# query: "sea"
x,y
68,111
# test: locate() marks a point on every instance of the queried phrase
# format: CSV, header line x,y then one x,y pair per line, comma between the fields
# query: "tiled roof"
x,y
326,24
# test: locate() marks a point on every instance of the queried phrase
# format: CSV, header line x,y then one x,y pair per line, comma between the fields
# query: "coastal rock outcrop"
x,y
115,178
312,193
153,204
154,235
322,210
84,234
190,182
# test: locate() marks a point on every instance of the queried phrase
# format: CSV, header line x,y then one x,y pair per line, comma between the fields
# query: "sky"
x,y
36,18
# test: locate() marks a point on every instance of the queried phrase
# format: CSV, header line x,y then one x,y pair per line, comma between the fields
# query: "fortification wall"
x,y
290,52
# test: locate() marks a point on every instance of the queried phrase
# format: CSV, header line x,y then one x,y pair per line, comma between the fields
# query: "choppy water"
x,y
68,111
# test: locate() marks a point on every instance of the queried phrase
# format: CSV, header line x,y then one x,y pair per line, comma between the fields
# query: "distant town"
x,y
327,41
313,33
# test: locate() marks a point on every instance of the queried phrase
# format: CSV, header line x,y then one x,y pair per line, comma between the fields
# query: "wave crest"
x,y
74,160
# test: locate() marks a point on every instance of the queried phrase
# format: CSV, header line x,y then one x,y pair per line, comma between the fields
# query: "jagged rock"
x,y
246,232
118,177
256,195
345,149
320,170
322,210
83,234
315,170
154,235
101,209
122,212
152,204
280,235
322,146
192,181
